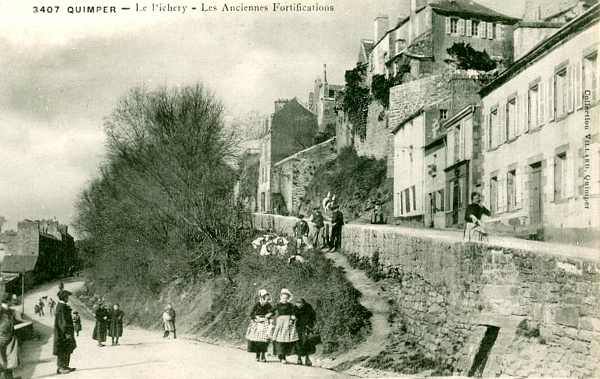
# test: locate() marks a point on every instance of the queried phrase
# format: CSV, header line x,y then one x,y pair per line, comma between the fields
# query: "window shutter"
x,y
577,91
550,98
501,193
518,188
542,102
447,25
461,27
552,178
570,87
469,27
481,29
518,116
502,124
485,135
500,32
570,177
490,30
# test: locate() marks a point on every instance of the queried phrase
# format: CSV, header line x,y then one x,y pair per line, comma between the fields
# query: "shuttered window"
x,y
469,28
577,92
542,103
447,25
461,27
490,30
550,99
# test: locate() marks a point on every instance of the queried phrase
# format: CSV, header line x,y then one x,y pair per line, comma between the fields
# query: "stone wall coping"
x,y
456,236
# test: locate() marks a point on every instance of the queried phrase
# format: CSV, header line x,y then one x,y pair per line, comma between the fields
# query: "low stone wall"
x,y
532,313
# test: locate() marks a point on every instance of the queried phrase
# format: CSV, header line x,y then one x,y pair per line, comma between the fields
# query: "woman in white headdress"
x,y
285,334
258,330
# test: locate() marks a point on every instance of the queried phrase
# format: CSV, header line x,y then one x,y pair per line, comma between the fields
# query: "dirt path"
x,y
374,299
145,354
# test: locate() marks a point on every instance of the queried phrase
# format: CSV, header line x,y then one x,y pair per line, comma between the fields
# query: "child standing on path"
x,y
76,322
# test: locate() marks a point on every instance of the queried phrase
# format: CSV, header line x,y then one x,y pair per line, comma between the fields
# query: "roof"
x,y
305,151
366,46
543,48
422,46
336,86
468,8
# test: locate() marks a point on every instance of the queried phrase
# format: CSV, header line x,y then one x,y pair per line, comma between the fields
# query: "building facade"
x,y
292,128
541,150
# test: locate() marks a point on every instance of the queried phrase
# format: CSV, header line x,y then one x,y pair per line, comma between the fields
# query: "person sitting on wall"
x,y
474,228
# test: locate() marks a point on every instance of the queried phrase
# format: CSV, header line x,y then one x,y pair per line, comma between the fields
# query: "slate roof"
x,y
469,8
422,47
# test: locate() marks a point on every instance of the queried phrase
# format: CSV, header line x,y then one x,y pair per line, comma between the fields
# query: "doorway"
x,y
535,193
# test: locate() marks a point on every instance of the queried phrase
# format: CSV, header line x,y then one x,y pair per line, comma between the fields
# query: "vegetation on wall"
x,y
356,181
381,85
327,134
356,100
467,58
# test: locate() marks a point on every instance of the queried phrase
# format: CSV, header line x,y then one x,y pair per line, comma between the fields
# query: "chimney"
x,y
382,25
280,103
324,73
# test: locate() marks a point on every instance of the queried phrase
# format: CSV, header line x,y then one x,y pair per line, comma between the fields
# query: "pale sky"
x,y
61,74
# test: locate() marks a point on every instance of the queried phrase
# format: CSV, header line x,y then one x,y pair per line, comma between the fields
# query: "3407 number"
x,y
49,9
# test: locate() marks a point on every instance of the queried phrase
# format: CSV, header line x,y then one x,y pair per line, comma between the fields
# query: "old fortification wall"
x,y
532,312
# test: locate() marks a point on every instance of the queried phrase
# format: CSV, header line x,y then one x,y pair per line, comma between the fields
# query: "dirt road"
x,y
145,354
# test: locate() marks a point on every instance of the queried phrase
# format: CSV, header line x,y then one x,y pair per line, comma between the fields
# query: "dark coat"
x,y
64,334
7,325
102,324
305,321
116,323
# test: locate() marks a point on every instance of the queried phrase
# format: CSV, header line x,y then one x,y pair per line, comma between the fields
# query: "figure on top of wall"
x,y
474,228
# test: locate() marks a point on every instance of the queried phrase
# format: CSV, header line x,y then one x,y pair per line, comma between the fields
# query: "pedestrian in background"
x,y
319,222
102,323
257,333
305,322
116,324
51,305
41,307
337,221
64,334
8,342
76,322
300,231
169,321
474,228
285,334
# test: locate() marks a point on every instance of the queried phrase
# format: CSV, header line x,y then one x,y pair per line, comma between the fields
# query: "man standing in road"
x,y
8,347
64,334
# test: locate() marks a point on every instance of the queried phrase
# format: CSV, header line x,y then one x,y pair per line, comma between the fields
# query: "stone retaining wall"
x,y
543,307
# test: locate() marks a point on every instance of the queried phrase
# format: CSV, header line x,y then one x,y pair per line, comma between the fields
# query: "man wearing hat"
x,y
64,334
7,334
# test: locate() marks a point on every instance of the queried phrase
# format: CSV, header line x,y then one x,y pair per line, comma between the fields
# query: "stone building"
x,y
418,112
292,175
290,129
541,150
322,101
50,241
422,38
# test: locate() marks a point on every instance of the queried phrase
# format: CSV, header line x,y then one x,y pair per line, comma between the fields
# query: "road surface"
x,y
145,354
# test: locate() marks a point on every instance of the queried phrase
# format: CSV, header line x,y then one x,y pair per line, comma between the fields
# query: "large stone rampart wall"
x,y
543,305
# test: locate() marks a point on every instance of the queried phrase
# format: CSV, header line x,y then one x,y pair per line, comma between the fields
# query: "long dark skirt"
x,y
100,330
257,347
284,348
303,346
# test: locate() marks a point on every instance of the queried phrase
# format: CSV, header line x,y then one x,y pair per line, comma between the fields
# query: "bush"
x,y
342,321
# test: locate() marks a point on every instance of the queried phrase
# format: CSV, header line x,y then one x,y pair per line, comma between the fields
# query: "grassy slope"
x,y
218,310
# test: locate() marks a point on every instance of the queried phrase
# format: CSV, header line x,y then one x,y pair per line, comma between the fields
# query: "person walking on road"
x,y
102,323
8,342
305,322
337,221
76,322
116,324
51,305
285,334
64,334
258,330
41,307
169,321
